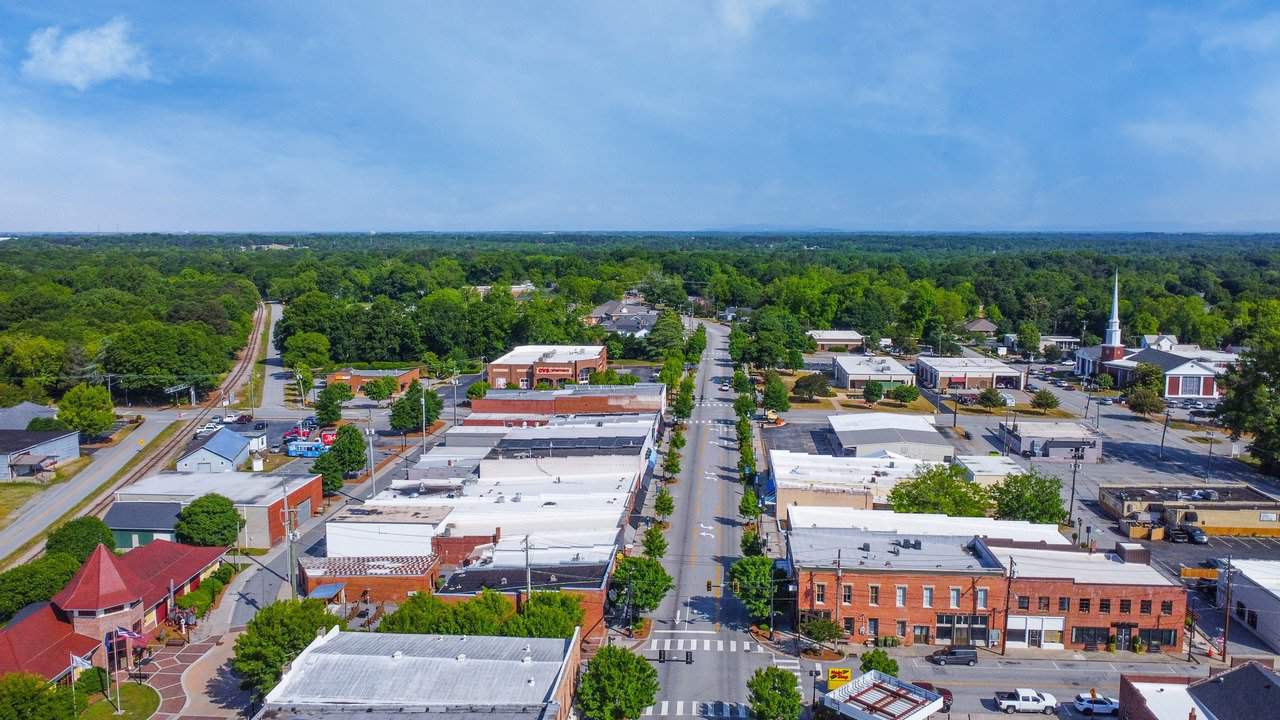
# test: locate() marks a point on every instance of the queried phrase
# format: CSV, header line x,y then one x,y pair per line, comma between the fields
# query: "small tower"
x,y
1112,346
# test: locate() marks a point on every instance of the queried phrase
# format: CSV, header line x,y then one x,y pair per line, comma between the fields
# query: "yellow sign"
x,y
837,677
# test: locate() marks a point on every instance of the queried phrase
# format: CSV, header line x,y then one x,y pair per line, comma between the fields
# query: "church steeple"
x,y
1112,345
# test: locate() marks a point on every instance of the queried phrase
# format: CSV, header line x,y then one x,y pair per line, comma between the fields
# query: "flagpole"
x,y
115,673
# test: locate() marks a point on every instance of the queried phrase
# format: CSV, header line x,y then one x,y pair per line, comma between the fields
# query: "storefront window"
x,y
1163,637
1052,637
1089,635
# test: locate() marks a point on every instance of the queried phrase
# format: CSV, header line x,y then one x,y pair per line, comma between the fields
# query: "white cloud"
x,y
85,58
1246,142
1255,36
741,16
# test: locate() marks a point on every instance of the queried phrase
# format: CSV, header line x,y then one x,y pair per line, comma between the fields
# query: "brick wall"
x,y
1133,705
568,404
380,588
1035,589
453,550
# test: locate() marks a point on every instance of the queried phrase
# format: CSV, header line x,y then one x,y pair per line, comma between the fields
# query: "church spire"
x,y
1113,346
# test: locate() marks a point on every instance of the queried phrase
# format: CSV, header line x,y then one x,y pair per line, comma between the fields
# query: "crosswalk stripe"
x,y
679,707
706,644
664,708
719,646
733,646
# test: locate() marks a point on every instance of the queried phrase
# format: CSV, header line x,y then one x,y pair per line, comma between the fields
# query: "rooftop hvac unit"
x,y
866,547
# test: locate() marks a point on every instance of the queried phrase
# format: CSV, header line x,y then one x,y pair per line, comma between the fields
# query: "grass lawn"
x,y
915,407
271,461
1021,409
139,701
14,495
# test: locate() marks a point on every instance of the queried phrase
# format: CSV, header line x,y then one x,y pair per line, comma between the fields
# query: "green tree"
x,y
328,404
672,369
677,440
306,349
813,385
821,631
1105,381
753,583
210,520
1149,376
305,380
331,473
793,360
406,413
477,390
87,408
1252,401
274,637
546,615
749,505
617,685
879,660
1029,338
663,504
24,696
751,543
744,405
381,388
1032,496
671,463
654,542
775,393
34,581
872,391
1044,401
942,489
991,399
773,695
666,335
1144,401
78,538
742,382
648,581
1052,353
485,614
46,424
349,449
905,394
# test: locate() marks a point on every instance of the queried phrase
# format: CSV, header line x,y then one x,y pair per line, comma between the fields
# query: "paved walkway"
x,y
211,688
164,673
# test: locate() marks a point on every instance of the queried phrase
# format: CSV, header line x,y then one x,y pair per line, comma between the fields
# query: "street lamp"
x,y
1077,455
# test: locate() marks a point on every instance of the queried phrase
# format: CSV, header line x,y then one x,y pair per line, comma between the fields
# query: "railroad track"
x,y
149,465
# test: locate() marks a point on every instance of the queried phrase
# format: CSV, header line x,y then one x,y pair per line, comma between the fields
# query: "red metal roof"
x,y
160,562
100,583
40,641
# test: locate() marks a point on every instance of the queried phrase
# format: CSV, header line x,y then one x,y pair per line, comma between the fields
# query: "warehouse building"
x,y
270,504
874,434
378,675
987,470
134,524
1220,508
35,454
223,450
966,373
527,365
1052,441
853,372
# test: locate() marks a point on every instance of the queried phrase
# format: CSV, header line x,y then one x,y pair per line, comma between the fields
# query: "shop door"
x,y
1033,638
1123,637
920,635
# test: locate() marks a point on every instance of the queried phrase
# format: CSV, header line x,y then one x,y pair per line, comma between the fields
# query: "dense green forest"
x,y
156,309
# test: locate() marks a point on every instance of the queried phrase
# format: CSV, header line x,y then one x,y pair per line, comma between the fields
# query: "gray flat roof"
x,y
401,670
639,390
818,547
876,436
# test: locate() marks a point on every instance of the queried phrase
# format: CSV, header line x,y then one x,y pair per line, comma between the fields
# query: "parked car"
x,y
1068,387
955,655
276,448
1008,399
309,420
1214,563
1176,535
228,419
244,418
1032,387
725,387
1195,535
259,426
207,428
947,697
1100,705
1026,700
1104,401
295,433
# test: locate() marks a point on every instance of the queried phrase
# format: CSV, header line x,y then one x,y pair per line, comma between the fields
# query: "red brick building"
x,y
527,365
952,590
575,400
1064,597
372,579
134,591
355,379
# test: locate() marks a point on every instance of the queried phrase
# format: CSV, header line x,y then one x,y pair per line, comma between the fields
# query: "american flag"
x,y
126,633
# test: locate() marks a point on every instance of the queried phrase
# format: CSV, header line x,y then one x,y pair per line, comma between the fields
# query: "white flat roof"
x,y
989,464
529,354
881,421
1263,573
794,469
1056,430
241,488
870,365
1168,701
394,670
1103,568
922,524
835,335
943,365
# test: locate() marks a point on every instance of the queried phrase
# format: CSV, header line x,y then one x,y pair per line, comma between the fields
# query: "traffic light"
x,y
662,656
688,657
708,586
735,588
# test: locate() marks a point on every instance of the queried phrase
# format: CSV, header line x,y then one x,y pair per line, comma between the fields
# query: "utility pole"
x,y
288,538
455,403
1008,590
1163,432
528,571
1213,440
368,434
839,585
1226,613
423,397
1076,456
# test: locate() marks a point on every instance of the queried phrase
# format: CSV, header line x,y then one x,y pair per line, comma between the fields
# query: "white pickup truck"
x,y
1026,700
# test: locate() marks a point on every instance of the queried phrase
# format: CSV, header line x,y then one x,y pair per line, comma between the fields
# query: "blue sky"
x,y
639,115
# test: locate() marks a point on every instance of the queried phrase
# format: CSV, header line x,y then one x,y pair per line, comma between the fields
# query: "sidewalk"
x,y
165,673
